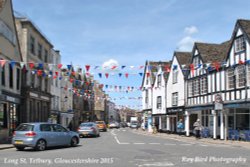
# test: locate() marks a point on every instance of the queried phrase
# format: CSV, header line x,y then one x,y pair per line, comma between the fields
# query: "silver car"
x,y
88,129
43,135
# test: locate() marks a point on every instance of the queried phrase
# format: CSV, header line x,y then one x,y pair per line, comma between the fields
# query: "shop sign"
x,y
218,103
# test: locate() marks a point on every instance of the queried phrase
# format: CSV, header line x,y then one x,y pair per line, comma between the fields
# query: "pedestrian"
x,y
70,126
197,127
180,127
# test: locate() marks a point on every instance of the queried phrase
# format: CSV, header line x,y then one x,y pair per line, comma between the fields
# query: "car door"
x,y
47,133
63,137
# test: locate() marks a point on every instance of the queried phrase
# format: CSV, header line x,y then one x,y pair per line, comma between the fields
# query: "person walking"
x,y
180,126
197,127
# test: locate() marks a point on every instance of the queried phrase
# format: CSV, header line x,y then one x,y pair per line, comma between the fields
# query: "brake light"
x,y
30,134
14,133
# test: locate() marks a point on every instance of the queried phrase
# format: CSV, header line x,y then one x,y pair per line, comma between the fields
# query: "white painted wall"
x,y
147,86
159,91
177,87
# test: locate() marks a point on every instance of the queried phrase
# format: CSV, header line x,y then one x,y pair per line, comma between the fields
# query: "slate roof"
x,y
184,58
245,24
213,52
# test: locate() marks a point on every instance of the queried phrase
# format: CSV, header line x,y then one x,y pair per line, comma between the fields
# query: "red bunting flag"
x,y
106,75
39,72
192,68
147,74
167,68
71,80
54,77
113,67
59,66
217,66
2,62
141,67
126,75
241,62
56,73
31,65
73,73
87,67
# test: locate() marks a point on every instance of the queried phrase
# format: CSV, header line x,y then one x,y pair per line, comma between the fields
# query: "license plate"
x,y
85,133
18,142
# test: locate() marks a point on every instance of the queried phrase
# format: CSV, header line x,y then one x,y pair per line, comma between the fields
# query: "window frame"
x,y
239,44
175,99
158,102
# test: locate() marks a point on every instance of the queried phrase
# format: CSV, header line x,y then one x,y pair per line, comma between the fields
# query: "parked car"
x,y
88,129
114,125
42,135
123,124
134,124
101,126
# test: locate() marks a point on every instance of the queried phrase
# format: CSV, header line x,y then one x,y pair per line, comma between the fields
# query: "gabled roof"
x,y
213,52
245,24
184,58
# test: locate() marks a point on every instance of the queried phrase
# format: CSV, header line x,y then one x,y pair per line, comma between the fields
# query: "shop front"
x,y
9,116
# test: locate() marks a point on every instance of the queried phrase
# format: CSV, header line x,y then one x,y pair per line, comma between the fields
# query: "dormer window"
x,y
239,44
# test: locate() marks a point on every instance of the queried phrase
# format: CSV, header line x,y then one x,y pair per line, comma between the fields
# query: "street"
x,y
124,147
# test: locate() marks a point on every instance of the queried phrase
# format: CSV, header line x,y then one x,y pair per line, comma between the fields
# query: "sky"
x,y
130,32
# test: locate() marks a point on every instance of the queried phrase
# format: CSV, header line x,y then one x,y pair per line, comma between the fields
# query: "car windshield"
x,y
87,124
25,127
100,122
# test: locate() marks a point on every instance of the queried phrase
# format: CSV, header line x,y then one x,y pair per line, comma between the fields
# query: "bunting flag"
x,y
96,67
31,65
217,66
167,68
147,74
192,68
39,72
100,75
126,75
141,74
123,67
12,64
241,62
106,75
175,67
69,67
2,62
141,67
22,64
113,67
59,66
56,73
40,65
87,67
120,74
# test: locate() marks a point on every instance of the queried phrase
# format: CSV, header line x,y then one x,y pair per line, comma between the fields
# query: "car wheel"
x,y
73,142
20,148
40,145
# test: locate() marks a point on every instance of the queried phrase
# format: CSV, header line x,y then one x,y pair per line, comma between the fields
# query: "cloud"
x,y
109,64
186,43
191,30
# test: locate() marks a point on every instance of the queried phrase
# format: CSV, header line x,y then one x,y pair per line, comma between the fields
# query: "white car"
x,y
114,125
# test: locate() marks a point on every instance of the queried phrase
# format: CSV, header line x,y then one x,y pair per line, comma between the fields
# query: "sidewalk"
x,y
193,140
5,146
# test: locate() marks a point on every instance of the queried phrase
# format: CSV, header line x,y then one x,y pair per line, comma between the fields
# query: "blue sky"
x,y
130,31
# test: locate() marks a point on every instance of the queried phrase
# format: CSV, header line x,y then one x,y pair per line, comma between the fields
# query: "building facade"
x,y
36,54
10,78
175,92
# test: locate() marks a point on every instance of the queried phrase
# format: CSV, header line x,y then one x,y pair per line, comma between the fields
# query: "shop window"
x,y
3,116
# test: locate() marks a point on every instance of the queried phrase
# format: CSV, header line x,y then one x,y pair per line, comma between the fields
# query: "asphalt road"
x,y
125,148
